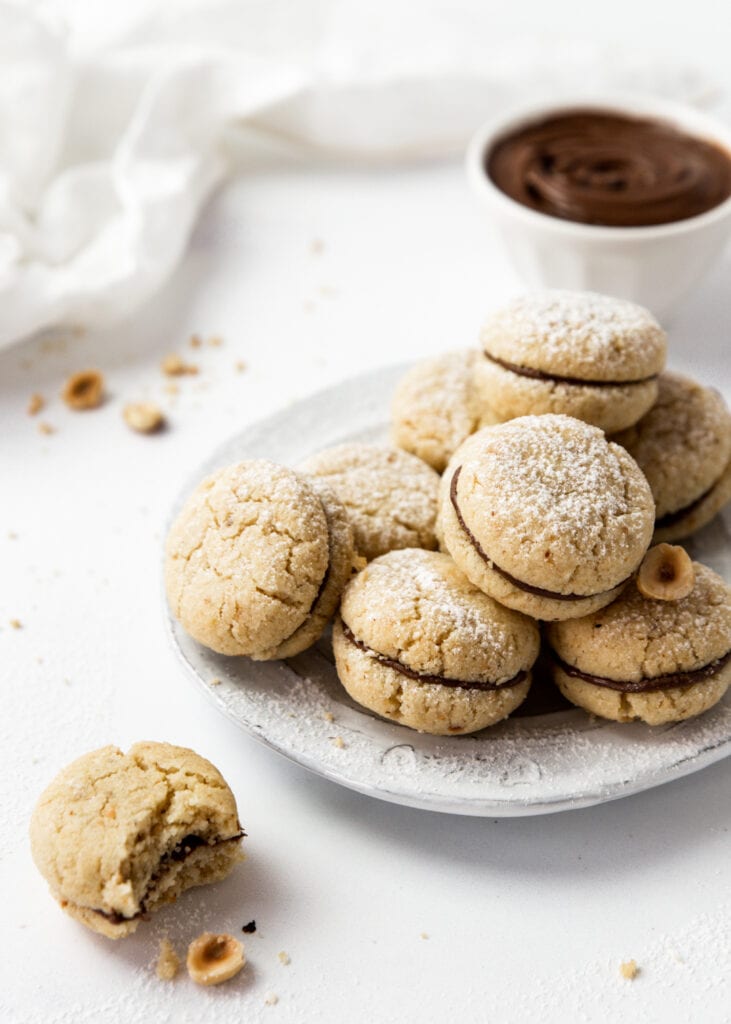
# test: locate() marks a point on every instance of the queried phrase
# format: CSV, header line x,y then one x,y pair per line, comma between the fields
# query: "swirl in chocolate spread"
x,y
648,683
602,167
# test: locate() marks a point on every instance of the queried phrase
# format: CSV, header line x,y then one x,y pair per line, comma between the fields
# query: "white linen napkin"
x,y
111,139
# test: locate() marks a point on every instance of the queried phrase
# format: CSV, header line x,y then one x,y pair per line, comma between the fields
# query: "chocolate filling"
x,y
180,852
647,685
528,371
420,678
527,587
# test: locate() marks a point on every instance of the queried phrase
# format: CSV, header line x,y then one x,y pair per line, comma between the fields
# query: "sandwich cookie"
x,y
257,559
390,496
118,835
416,642
590,356
546,516
437,405
683,446
647,659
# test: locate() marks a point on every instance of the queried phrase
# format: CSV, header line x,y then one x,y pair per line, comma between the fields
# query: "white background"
x,y
527,920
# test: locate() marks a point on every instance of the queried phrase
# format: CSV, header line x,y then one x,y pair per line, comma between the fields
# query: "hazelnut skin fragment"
x,y
666,573
214,958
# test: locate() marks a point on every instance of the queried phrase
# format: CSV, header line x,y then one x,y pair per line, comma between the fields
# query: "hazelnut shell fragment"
x,y
666,573
214,958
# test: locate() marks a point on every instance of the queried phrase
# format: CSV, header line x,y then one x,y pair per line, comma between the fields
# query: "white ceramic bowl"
x,y
655,266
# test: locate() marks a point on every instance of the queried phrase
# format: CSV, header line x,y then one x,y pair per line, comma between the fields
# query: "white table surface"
x,y
527,919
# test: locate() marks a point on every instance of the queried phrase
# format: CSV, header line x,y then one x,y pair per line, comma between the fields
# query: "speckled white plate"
x,y
528,765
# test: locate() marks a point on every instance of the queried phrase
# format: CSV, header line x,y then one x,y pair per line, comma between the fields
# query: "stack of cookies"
x,y
543,467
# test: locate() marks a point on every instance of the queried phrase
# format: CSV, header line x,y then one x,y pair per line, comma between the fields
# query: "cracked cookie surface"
x,y
411,619
117,835
256,560
636,639
683,446
585,355
436,405
390,496
545,515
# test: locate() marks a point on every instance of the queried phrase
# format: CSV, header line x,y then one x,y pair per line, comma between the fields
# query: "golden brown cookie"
x,y
257,559
683,446
651,660
545,515
418,643
437,405
390,496
118,835
585,355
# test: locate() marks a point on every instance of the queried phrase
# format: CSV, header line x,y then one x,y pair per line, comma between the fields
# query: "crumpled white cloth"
x,y
112,139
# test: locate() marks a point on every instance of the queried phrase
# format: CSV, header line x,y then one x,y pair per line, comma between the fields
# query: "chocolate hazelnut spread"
x,y
605,168
650,683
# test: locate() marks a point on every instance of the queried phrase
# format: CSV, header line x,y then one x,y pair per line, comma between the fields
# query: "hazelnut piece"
x,y
666,573
214,958
84,390
144,417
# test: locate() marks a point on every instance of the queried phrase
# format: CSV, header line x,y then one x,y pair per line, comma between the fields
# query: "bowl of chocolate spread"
x,y
623,196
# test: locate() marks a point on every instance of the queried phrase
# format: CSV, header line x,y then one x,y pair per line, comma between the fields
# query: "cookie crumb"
x,y
12,535
424,935
167,961
249,928
271,999
36,402
215,681
171,389
317,246
46,428
629,969
173,366
84,390
195,341
240,366
339,742
16,624
328,716
283,958
213,959
143,417
215,341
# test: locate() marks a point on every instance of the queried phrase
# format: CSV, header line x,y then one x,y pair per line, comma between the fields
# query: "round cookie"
x,y
257,559
418,643
545,515
683,446
590,356
437,405
390,496
118,835
656,661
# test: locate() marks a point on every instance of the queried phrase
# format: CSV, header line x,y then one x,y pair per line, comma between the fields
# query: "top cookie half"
x,y
585,355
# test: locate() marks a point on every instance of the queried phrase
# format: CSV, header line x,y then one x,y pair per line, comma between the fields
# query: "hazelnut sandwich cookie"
x,y
390,496
545,515
683,446
437,405
590,356
257,559
416,642
657,658
118,835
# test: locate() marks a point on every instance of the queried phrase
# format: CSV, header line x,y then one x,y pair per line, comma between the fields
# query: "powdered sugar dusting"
x,y
577,333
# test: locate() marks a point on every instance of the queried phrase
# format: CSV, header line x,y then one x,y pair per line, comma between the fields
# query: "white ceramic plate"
x,y
526,765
